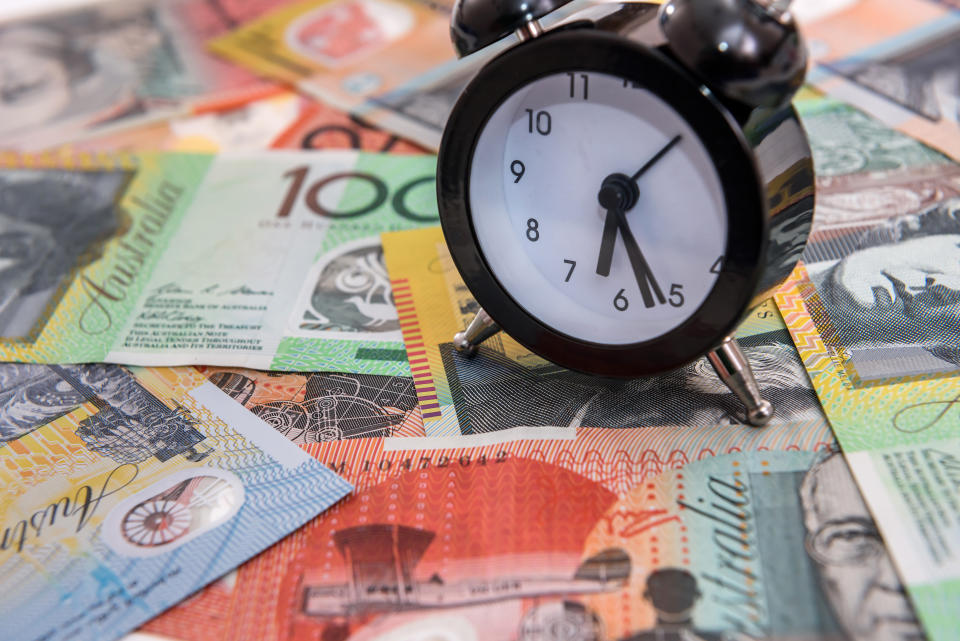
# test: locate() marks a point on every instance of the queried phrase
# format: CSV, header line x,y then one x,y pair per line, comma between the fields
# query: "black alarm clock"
x,y
620,190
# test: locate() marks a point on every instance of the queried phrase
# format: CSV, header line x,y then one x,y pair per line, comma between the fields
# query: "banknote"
x,y
323,127
505,385
116,64
887,280
249,127
323,406
899,433
125,490
270,260
417,108
342,51
640,534
846,141
898,60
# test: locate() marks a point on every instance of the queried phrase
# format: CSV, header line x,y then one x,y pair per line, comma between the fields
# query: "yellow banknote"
x,y
342,51
125,490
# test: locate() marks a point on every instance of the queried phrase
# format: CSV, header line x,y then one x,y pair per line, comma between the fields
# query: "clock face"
x,y
597,207
602,206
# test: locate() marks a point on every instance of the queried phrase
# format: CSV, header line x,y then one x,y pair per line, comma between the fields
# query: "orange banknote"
x,y
250,127
898,60
659,533
323,127
343,51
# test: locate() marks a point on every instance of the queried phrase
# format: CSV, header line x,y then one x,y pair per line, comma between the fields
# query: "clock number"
x,y
517,169
543,123
620,301
573,84
572,264
533,230
676,295
717,266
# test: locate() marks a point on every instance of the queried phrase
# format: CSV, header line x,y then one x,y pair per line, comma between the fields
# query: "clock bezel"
x,y
589,50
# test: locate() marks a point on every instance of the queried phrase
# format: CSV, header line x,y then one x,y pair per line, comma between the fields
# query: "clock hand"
x,y
617,192
605,259
641,269
657,156
627,193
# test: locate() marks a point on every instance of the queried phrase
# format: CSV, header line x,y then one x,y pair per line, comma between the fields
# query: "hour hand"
x,y
607,243
617,194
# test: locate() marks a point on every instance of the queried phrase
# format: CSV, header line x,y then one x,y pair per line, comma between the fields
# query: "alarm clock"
x,y
619,190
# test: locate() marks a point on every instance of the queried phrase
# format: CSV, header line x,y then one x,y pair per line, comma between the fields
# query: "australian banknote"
x,y
641,534
125,490
323,127
899,432
110,65
267,260
875,315
417,108
505,385
324,406
249,127
341,52
898,60
846,141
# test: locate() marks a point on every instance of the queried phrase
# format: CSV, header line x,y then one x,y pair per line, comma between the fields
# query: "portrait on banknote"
x,y
51,224
492,392
890,295
856,572
83,69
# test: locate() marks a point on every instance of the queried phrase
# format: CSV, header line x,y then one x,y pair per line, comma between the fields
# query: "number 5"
x,y
676,295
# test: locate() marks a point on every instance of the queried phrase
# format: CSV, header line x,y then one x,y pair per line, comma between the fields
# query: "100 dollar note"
x,y
505,385
264,260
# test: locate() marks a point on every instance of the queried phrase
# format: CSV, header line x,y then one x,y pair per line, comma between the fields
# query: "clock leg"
x,y
734,370
480,329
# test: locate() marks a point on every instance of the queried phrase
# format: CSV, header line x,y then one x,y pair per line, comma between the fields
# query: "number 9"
x,y
517,169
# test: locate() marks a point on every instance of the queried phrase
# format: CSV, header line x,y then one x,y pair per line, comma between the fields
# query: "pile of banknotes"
x,y
230,408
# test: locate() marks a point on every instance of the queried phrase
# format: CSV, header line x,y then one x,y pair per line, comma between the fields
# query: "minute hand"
x,y
645,278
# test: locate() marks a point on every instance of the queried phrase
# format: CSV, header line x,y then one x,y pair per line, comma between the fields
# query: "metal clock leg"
x,y
480,329
734,370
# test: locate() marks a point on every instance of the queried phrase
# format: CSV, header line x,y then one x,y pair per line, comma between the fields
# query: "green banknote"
x,y
847,141
875,315
264,260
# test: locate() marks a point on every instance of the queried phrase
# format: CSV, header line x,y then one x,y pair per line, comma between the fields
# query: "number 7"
x,y
572,264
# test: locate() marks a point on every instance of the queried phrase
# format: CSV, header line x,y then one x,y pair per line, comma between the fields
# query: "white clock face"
x,y
540,163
